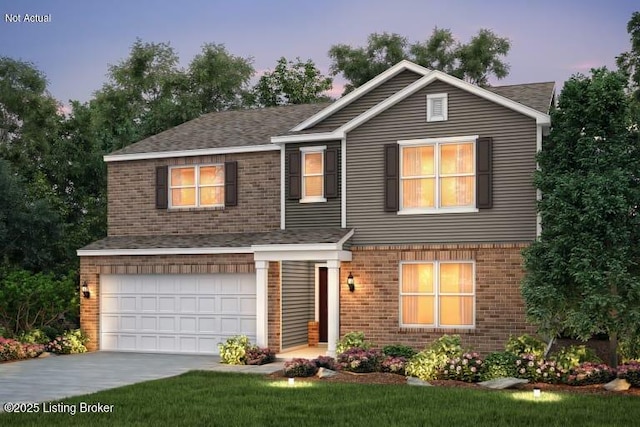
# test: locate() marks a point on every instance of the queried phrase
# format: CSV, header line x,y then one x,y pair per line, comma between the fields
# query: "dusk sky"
x,y
551,40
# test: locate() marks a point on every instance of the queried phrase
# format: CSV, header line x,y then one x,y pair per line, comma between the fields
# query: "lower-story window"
x,y
437,294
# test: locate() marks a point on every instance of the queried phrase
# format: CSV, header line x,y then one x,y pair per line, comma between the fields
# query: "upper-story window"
x,y
437,175
313,174
437,107
196,186
437,294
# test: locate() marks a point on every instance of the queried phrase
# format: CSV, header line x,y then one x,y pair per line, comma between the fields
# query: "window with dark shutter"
x,y
230,183
162,192
391,178
484,184
331,174
294,178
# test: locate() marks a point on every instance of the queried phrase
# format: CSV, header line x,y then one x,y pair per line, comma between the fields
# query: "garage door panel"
x,y
176,313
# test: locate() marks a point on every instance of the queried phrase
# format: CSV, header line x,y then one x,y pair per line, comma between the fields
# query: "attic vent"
x,y
437,107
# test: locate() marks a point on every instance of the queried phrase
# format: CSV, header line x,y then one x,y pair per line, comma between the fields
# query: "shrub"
x,y
398,350
11,349
630,371
234,350
629,348
352,340
360,360
526,344
300,368
71,342
394,364
428,363
327,362
465,368
537,369
259,356
590,373
34,336
29,301
500,364
572,356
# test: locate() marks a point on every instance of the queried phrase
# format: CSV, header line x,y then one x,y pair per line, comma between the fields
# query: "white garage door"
x,y
175,313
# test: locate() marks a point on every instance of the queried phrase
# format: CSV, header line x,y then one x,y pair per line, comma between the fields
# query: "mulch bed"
x,y
386,378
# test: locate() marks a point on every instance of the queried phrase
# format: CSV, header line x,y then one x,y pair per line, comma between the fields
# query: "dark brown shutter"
x,y
331,173
391,178
484,199
162,182
295,177
230,183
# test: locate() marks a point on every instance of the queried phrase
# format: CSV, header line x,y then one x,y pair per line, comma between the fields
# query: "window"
x,y
194,186
437,107
437,294
437,175
313,174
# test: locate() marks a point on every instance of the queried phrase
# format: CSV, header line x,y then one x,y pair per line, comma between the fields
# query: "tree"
x,y
582,274
475,61
291,83
629,62
217,80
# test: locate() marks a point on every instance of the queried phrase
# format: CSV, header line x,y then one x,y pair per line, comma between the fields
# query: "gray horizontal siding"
x,y
512,217
298,299
367,101
312,215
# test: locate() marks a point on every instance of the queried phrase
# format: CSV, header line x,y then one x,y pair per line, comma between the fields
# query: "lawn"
x,y
230,399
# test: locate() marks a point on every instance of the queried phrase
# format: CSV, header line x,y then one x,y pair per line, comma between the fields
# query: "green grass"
x,y
231,399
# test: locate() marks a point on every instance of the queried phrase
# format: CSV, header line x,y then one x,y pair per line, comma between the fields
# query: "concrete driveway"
x,y
58,377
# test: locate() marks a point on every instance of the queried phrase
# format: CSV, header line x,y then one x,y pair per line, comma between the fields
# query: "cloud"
x,y
584,65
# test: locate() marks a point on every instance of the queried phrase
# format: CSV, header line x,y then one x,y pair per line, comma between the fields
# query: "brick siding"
x,y
374,306
131,198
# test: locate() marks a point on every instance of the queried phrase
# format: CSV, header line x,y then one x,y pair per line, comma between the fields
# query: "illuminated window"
x,y
437,294
194,186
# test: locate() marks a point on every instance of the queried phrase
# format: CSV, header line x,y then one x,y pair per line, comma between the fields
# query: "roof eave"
x,y
190,153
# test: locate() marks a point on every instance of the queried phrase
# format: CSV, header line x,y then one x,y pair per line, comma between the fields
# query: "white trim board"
x,y
191,153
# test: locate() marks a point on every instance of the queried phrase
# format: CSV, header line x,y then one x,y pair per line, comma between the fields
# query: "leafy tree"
x,y
217,80
582,274
291,83
474,61
629,62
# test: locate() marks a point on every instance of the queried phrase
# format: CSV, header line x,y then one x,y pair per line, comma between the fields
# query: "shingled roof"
x,y
237,128
538,96
227,240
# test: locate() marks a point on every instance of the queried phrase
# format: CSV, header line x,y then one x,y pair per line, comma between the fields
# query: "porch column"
x,y
333,302
262,305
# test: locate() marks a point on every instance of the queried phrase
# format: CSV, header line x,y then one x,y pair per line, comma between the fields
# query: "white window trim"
x,y
436,294
445,107
196,186
307,150
436,143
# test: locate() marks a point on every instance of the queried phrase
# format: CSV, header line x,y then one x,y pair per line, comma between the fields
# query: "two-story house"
x,y
399,210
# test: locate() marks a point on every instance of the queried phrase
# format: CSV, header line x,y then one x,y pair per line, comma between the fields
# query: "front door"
x,y
323,303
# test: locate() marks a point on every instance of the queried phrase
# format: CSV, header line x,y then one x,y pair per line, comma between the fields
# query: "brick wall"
x,y
374,306
92,267
131,197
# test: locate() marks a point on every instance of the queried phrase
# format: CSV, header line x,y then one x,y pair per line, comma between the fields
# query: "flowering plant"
x,y
590,373
259,356
299,368
11,349
465,368
360,360
71,342
327,362
630,371
538,370
394,364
